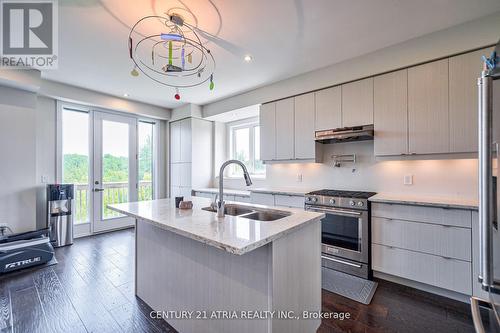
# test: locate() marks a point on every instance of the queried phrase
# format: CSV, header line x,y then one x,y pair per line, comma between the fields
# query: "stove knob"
x,y
308,199
314,199
332,201
352,203
360,203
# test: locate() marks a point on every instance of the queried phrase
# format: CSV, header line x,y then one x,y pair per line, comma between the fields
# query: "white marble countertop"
x,y
229,191
233,234
270,190
447,202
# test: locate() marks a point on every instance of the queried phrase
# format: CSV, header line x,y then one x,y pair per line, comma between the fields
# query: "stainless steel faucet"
x,y
220,202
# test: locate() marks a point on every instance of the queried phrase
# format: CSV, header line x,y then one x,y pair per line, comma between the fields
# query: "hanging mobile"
x,y
134,71
183,60
212,85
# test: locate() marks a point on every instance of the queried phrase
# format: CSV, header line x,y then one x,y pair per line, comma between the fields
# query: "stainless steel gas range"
x,y
345,230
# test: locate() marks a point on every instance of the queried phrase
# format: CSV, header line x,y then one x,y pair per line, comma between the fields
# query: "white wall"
x,y
444,177
45,154
18,159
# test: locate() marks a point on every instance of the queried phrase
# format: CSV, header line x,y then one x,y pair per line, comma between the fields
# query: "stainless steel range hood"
x,y
345,134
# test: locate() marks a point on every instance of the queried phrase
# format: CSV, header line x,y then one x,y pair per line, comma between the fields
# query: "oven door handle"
x,y
341,261
334,211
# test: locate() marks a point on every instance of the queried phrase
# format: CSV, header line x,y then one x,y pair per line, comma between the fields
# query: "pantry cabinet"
x,y
190,155
357,103
391,113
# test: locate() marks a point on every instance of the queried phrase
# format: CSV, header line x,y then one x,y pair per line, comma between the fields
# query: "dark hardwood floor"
x,y
91,290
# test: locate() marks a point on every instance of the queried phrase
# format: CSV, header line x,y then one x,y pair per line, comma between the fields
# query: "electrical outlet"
x,y
299,178
408,180
44,179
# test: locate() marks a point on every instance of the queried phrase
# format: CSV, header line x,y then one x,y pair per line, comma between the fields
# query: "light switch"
x,y
44,179
408,180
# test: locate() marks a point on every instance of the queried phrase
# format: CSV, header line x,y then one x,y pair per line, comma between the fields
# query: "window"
x,y
75,159
245,147
145,158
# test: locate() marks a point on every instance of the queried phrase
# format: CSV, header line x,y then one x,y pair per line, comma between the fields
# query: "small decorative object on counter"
x,y
186,205
178,201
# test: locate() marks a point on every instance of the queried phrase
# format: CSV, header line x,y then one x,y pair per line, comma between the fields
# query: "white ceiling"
x,y
285,38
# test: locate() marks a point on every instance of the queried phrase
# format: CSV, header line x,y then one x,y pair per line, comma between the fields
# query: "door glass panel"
x,y
145,161
75,159
115,166
341,231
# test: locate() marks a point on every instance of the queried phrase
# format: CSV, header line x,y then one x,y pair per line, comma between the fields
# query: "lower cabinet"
x,y
288,200
285,200
227,197
447,273
430,245
262,199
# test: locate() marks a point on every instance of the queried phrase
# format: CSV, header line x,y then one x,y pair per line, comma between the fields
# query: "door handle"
x,y
476,315
341,261
98,190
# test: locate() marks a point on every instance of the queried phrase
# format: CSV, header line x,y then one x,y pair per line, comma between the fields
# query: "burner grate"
x,y
341,193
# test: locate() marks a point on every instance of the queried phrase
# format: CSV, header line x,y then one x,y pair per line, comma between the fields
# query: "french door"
x,y
114,177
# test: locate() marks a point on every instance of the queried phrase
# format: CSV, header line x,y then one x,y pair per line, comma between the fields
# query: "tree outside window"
x,y
245,147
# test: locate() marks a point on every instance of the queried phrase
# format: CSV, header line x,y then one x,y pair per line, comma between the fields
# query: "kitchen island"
x,y
230,274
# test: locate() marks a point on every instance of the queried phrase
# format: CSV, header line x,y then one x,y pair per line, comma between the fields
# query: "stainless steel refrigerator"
x,y
486,311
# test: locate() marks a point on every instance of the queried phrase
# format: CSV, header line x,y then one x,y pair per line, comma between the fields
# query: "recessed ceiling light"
x,y
248,58
125,95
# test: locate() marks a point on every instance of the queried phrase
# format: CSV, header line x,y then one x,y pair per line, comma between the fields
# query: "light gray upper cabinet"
x,y
304,126
428,115
464,71
285,129
328,108
391,113
357,103
267,118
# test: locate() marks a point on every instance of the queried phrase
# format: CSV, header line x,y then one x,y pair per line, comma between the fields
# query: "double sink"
x,y
251,213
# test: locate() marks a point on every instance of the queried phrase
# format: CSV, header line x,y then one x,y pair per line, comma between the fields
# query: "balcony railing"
x,y
116,192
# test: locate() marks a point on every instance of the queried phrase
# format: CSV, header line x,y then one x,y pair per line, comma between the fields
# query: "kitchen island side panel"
x,y
175,273
296,266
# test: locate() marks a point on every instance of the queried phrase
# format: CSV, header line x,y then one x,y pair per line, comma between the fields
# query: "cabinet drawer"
x,y
436,215
434,239
289,200
262,199
441,272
